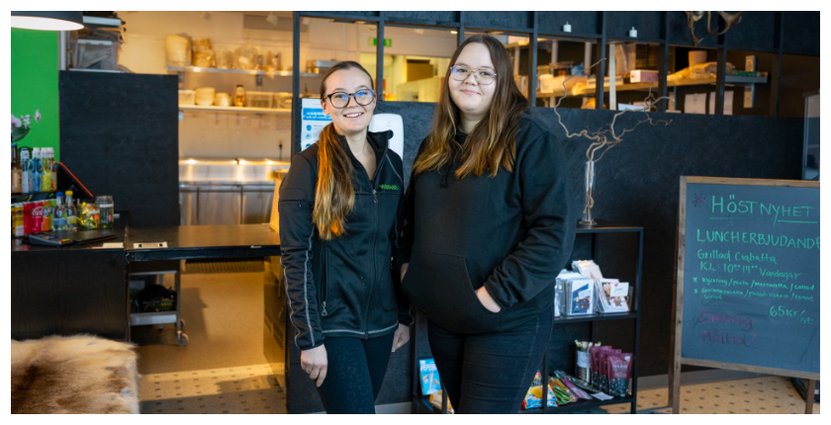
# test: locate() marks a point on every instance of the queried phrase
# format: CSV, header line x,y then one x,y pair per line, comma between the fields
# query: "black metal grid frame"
x,y
666,38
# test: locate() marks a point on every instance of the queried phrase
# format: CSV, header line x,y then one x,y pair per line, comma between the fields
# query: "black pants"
x,y
355,373
490,373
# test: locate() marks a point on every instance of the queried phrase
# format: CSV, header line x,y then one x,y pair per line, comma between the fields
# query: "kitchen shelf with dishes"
x,y
614,238
256,72
208,99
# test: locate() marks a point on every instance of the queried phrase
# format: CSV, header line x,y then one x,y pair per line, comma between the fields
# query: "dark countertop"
x,y
203,242
183,242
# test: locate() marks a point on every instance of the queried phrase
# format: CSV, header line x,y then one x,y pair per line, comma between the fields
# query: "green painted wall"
x,y
34,64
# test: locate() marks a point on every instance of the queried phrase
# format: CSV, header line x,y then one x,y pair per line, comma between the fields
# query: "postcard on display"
x,y
580,296
587,268
613,295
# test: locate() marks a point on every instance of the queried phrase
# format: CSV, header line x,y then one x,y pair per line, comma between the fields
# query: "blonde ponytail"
x,y
334,194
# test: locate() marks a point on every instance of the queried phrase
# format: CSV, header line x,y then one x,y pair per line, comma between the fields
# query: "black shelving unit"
x,y
421,405
594,233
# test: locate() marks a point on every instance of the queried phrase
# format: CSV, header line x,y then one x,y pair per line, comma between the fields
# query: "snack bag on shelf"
x,y
435,401
429,376
533,398
561,392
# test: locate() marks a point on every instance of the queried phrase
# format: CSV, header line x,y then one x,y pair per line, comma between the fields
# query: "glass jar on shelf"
x,y
239,95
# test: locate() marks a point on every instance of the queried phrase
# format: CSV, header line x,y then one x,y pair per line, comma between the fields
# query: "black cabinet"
x,y
66,291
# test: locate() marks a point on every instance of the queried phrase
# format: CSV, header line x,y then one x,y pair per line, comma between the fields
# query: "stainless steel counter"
x,y
228,191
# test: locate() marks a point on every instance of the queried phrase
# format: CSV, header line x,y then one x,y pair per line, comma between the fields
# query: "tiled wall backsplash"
x,y
208,134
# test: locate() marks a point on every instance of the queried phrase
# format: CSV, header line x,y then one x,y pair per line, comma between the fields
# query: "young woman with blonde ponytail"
x,y
338,212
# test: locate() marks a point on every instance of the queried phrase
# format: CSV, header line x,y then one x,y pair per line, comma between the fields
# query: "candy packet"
x,y
619,372
533,398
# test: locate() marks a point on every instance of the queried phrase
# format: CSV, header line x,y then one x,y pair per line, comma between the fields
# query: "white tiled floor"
x,y
224,371
761,394
244,389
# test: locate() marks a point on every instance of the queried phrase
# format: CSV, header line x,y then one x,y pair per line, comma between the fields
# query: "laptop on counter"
x,y
78,237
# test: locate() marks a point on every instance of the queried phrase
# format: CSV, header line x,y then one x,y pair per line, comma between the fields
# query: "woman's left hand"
x,y
401,337
487,301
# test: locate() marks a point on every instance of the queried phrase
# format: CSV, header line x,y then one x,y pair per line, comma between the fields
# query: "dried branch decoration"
x,y
602,140
730,19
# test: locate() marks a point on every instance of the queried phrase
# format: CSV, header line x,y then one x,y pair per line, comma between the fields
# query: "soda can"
x,y
46,220
32,217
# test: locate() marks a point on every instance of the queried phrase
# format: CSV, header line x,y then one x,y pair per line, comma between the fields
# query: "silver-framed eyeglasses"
x,y
482,76
340,99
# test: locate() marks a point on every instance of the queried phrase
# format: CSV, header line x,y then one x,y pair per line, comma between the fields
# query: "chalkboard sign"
x,y
748,290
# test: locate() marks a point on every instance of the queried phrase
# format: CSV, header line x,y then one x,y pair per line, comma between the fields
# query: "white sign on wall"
x,y
312,122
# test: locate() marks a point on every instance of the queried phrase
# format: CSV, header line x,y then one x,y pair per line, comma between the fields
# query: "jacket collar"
x,y
379,142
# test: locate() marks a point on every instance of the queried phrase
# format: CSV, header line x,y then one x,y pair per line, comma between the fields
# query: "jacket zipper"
x,y
374,238
325,281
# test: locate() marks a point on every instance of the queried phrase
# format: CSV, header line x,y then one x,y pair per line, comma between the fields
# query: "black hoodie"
x,y
344,286
511,233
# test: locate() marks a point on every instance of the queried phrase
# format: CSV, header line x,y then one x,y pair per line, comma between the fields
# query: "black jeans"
x,y
355,372
490,373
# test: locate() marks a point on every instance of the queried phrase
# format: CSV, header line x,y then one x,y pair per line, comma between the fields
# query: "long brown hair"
x,y
334,194
492,143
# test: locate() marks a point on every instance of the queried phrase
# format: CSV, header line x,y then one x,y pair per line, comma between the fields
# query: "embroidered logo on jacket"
x,y
393,187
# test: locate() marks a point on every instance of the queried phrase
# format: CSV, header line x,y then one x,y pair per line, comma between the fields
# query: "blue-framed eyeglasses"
x,y
362,97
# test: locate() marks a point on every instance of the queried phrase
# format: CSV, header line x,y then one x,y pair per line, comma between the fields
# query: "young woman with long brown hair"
x,y
489,227
338,211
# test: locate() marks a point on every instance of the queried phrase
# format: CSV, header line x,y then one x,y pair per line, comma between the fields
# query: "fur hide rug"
x,y
75,374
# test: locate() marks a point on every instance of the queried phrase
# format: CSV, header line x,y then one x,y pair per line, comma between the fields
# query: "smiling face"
x,y
473,99
352,119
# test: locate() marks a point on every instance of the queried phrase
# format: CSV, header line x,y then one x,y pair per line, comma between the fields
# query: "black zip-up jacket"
x,y
511,233
345,286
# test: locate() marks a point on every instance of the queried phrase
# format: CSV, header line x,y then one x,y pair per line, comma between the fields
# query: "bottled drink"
x,y
105,210
24,171
18,227
45,171
239,95
71,217
16,172
34,171
53,171
48,211
59,222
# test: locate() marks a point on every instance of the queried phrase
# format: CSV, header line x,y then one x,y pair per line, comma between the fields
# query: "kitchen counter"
x,y
228,191
83,288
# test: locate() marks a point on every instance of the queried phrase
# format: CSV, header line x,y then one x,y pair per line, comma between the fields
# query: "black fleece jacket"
x,y
511,233
345,286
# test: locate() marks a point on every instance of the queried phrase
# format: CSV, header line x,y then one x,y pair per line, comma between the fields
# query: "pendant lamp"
x,y
48,20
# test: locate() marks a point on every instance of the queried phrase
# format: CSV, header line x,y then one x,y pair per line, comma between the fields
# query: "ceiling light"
x,y
48,21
